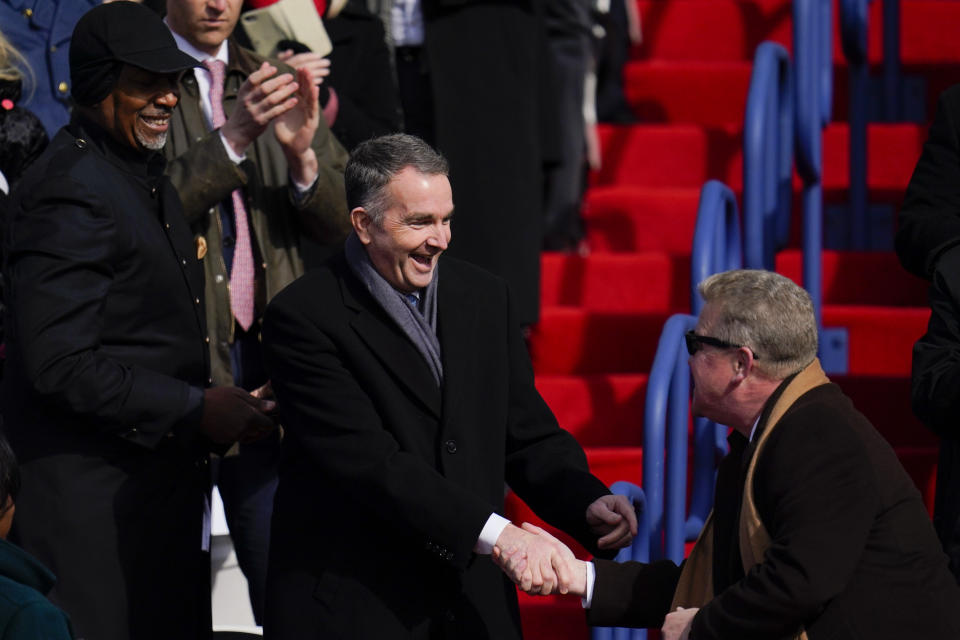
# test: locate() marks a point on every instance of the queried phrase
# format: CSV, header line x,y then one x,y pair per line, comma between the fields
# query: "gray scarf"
x,y
421,328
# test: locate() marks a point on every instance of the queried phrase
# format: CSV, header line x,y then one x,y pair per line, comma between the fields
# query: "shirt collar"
x,y
182,44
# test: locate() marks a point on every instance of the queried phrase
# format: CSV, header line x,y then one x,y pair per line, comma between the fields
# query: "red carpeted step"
x,y
575,341
625,218
701,92
666,155
687,155
648,281
599,410
552,617
692,29
874,278
880,338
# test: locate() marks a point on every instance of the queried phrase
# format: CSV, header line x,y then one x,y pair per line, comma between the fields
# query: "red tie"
x,y
241,273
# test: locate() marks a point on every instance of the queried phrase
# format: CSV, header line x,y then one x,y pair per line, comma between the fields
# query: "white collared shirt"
x,y
406,23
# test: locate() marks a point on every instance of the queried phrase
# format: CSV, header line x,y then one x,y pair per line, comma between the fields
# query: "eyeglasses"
x,y
695,343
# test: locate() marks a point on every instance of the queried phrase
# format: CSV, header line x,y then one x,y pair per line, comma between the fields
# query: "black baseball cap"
x,y
119,32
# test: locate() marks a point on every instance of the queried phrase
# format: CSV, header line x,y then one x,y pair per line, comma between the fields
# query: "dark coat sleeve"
x,y
632,594
815,493
545,465
38,620
935,379
929,220
60,274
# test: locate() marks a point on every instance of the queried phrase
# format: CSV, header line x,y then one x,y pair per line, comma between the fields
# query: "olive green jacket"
x,y
205,176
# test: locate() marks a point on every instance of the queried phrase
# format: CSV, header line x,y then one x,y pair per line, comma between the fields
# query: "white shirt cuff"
x,y
301,189
237,159
587,600
490,533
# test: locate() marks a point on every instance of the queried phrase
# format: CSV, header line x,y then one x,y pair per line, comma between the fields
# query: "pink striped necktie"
x,y
241,272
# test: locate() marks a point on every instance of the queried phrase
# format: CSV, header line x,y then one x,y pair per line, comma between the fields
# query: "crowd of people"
x,y
224,262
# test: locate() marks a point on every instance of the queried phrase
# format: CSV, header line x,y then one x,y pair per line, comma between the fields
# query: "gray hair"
x,y
374,163
765,312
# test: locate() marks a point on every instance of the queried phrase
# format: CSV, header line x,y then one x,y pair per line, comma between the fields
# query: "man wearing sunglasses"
x,y
817,531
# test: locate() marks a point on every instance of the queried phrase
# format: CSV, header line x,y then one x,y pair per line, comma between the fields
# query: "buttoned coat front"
x,y
102,392
386,479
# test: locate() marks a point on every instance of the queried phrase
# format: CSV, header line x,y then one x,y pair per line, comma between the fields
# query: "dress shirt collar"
x,y
190,50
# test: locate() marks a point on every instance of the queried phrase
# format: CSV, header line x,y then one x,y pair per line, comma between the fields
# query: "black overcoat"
x,y
103,387
487,69
386,480
852,554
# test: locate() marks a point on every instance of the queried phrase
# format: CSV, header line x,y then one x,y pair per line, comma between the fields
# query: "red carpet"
x,y
602,315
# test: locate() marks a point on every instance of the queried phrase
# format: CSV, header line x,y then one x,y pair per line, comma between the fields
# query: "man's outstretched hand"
x,y
537,562
613,519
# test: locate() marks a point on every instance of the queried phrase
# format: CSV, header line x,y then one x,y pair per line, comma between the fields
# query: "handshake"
x,y
540,564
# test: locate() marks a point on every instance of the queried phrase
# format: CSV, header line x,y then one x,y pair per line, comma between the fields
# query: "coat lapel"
x,y
457,322
388,343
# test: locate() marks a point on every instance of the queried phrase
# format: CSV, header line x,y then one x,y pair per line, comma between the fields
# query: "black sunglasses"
x,y
695,343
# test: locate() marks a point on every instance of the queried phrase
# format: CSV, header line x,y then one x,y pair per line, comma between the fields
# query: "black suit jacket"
x,y
103,387
386,480
853,554
929,220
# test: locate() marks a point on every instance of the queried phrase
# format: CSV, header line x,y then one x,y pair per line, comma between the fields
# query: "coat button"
x,y
449,615
27,13
80,143
218,278
207,339
183,261
196,301
166,225
63,87
451,446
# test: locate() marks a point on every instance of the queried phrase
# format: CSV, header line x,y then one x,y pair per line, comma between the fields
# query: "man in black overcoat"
x,y
817,531
928,245
407,400
104,396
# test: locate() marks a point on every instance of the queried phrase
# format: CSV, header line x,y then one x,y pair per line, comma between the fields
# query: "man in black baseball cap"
x,y
122,45
104,395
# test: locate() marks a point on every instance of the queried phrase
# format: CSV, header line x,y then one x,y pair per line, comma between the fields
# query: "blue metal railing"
x,y
853,28
639,551
814,76
767,156
716,237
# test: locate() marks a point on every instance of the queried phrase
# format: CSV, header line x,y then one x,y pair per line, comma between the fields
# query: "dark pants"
x,y
248,480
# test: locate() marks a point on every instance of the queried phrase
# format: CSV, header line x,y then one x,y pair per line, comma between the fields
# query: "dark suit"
x,y
103,388
853,554
386,480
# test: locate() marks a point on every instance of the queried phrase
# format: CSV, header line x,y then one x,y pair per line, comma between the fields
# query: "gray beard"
x,y
153,144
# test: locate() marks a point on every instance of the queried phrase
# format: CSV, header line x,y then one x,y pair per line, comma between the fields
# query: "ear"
x,y
361,222
743,364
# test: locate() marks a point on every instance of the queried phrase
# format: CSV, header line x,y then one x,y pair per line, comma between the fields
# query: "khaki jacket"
x,y
204,176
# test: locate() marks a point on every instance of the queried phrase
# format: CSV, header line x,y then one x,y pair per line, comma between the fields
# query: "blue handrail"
x,y
767,156
716,237
666,421
853,27
813,91
638,551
